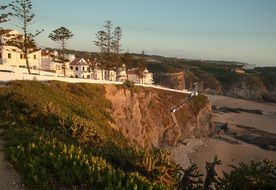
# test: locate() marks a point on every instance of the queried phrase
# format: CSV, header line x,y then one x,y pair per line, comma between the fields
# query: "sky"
x,y
234,30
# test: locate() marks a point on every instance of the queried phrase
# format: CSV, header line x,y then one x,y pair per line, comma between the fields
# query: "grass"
x,y
47,160
58,135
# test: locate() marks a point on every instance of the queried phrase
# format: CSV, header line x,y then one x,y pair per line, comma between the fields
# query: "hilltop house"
x,y
14,57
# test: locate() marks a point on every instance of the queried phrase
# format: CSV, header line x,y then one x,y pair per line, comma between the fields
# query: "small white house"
x,y
81,68
14,57
145,77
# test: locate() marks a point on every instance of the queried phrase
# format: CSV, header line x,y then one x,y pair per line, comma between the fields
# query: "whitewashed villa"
x,y
14,57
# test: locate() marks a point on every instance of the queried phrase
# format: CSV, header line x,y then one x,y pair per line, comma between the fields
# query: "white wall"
x,y
47,76
16,60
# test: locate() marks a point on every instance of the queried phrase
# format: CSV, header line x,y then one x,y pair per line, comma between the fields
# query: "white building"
x,y
248,66
145,77
122,73
81,69
48,63
14,57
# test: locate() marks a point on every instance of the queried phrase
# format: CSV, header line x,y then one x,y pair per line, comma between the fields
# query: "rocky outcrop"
x,y
247,87
144,116
170,80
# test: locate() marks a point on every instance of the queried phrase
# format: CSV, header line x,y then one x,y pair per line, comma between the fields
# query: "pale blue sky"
x,y
240,30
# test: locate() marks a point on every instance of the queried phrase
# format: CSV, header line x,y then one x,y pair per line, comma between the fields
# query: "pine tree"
x,y
212,176
61,35
108,35
117,36
22,10
109,44
4,15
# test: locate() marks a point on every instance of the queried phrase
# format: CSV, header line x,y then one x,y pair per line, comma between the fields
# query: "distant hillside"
x,y
216,77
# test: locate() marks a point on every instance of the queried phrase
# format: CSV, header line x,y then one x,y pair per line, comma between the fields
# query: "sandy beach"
x,y
201,151
242,152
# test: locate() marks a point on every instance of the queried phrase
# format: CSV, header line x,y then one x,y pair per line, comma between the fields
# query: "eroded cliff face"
x,y
247,88
170,80
144,116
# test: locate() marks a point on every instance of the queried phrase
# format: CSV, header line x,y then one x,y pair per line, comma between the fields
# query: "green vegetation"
x,y
251,176
198,102
58,136
49,161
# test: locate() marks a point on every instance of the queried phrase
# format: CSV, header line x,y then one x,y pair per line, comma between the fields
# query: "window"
x,y
9,55
34,56
22,56
0,55
77,68
88,76
71,67
77,76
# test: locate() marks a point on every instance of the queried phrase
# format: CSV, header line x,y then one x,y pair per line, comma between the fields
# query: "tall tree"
x,y
4,15
108,35
108,42
104,38
100,42
61,36
23,11
117,36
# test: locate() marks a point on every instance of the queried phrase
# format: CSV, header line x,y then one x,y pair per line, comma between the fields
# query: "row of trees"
x,y
108,40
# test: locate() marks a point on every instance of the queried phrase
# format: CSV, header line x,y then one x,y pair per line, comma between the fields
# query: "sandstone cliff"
x,y
144,115
170,80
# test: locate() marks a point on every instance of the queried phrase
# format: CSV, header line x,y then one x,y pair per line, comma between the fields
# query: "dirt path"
x,y
9,179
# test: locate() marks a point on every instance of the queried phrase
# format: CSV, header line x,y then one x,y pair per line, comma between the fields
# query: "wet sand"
x,y
243,152
229,154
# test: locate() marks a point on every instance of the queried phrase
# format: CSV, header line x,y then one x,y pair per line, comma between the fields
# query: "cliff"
x,y
246,87
170,80
63,135
144,115
123,115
